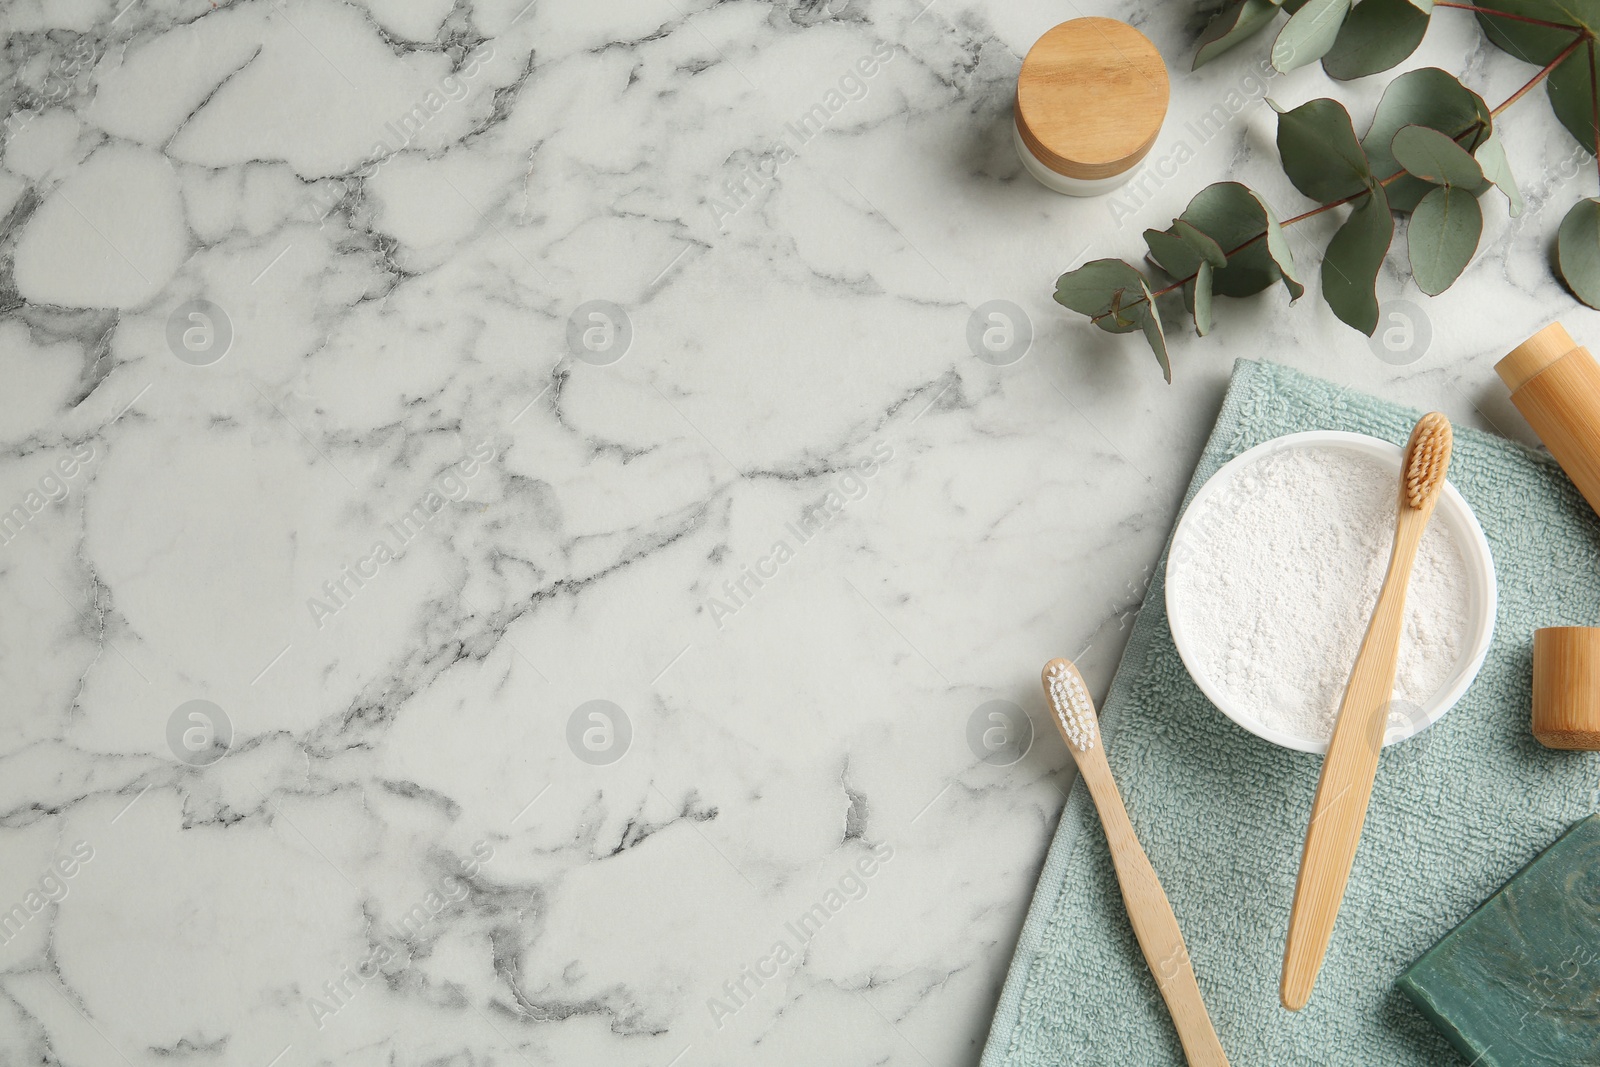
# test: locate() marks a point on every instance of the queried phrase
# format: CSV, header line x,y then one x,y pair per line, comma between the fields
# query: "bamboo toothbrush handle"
x,y
1340,808
1151,916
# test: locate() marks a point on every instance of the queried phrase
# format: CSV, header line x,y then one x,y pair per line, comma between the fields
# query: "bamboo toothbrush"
x,y
1151,916
1340,808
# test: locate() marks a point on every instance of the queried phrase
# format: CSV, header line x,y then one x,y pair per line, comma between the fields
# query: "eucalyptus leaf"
x,y
1248,272
1497,169
1231,216
1282,257
1233,26
1309,33
1531,43
1181,248
1126,314
1377,35
1201,299
1207,248
1320,152
1434,157
1578,251
1172,253
1424,97
1571,92
1153,333
1097,287
1354,256
1443,236
1242,225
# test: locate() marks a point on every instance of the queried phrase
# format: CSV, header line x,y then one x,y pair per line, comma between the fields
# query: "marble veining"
x,y
523,538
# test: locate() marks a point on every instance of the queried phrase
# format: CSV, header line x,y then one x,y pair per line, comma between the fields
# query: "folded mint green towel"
x,y
1222,814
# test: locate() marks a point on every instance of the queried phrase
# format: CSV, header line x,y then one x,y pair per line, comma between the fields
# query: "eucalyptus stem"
x,y
1508,15
1579,38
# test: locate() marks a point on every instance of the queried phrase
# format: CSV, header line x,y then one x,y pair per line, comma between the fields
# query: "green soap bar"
x,y
1518,982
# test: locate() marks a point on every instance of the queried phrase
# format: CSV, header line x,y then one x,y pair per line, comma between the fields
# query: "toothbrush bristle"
x,y
1428,458
1072,706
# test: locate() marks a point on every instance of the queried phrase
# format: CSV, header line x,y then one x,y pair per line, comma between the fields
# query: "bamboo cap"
x,y
1091,98
1566,687
1519,365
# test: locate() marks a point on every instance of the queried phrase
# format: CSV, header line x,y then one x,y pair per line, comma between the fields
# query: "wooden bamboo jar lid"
x,y
1525,362
1566,687
1090,101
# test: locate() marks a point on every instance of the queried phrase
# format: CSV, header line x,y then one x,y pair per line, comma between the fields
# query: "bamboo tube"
x,y
1555,383
1566,687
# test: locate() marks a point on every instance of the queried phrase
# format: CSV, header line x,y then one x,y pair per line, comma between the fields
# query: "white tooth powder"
x,y
1281,576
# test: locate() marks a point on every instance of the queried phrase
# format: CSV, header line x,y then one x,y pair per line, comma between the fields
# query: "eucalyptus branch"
x,y
1441,174
1231,252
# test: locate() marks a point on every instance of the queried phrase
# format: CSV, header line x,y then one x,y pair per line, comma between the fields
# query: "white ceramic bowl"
x,y
1188,551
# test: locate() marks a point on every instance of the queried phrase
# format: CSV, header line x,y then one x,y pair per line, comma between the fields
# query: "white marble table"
x,y
308,420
